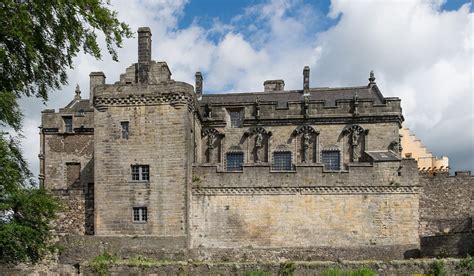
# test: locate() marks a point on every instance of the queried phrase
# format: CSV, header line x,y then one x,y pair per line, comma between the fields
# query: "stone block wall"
x,y
446,204
371,205
161,137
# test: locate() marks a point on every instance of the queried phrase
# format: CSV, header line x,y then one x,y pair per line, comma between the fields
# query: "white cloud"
x,y
419,53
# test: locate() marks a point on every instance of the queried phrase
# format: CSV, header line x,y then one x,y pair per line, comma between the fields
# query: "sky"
x,y
420,50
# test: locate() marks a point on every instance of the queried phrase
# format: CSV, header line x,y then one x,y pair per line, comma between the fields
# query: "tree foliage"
x,y
38,42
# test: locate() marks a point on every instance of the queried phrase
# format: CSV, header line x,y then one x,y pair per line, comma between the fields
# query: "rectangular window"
x,y
235,118
73,173
234,161
124,126
282,161
67,123
141,172
331,160
140,214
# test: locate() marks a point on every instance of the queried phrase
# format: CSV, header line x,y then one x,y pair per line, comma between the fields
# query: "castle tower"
x,y
143,137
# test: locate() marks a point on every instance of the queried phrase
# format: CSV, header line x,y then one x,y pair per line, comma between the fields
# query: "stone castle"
x,y
314,168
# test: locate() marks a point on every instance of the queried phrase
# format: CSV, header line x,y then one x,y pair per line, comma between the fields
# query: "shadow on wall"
x,y
452,245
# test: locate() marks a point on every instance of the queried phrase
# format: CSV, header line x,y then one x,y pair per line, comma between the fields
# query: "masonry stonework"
x,y
314,168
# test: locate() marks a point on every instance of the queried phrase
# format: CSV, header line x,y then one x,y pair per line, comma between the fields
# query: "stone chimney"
x,y
274,85
96,79
306,80
198,86
144,53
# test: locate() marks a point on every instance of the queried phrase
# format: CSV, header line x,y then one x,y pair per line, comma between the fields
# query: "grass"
x,y
340,272
256,273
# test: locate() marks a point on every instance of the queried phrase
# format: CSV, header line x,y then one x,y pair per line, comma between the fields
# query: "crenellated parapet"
x,y
172,93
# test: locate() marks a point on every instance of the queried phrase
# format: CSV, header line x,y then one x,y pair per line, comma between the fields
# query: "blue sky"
x,y
420,50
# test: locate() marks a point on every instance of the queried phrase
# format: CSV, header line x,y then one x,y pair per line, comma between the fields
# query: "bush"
x,y
100,264
287,269
438,269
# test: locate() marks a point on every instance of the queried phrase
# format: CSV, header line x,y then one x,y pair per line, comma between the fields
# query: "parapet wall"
x,y
446,204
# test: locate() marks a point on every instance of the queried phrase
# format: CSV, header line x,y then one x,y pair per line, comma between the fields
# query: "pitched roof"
x,y
328,95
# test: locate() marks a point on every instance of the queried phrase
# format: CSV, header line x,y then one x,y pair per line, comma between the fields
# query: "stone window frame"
x,y
283,148
140,214
234,150
240,112
332,148
140,170
124,131
68,128
278,169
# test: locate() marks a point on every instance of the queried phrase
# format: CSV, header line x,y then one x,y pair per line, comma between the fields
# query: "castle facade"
x,y
309,168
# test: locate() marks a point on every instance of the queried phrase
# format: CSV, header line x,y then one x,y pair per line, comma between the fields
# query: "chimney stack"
x,y
274,85
198,86
306,80
144,53
96,79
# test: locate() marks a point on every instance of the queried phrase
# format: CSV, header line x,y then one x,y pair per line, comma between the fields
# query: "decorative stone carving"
x,y
308,135
355,132
306,106
261,142
257,108
213,191
212,135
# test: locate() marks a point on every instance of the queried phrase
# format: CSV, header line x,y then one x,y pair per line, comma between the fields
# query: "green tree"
x,y
38,42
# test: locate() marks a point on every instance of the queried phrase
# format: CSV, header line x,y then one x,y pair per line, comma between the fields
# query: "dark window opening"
x,y
140,214
282,161
124,126
331,160
235,119
234,161
68,124
141,172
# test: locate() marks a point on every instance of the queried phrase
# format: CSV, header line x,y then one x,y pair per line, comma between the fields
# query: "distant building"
x,y
311,168
427,163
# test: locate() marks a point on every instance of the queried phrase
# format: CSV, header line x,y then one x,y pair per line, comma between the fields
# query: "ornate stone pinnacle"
x,y
78,92
372,77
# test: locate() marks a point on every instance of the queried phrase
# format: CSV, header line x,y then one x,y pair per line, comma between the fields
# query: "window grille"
x,y
234,161
68,124
331,159
235,119
140,214
141,172
282,161
124,126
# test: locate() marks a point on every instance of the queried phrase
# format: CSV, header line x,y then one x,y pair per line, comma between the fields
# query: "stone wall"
x,y
446,204
371,205
160,267
160,136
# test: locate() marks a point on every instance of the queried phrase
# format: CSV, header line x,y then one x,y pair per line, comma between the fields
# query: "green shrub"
x,y
438,269
467,264
101,263
287,269
340,272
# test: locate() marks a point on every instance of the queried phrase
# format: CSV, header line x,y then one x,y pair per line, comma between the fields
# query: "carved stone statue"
x,y
355,145
258,145
210,146
306,141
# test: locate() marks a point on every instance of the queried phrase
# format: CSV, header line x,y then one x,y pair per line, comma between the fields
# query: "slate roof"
x,y
382,156
328,95
77,105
